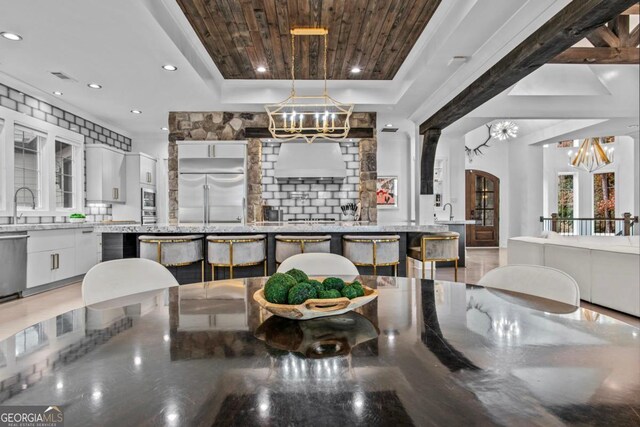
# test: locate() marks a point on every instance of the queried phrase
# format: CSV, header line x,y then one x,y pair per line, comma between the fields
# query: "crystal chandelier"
x,y
591,156
504,130
309,117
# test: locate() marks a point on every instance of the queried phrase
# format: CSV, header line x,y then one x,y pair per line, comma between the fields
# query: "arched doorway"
x,y
483,206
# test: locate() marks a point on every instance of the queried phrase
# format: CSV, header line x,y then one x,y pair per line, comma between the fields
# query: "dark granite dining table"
x,y
422,353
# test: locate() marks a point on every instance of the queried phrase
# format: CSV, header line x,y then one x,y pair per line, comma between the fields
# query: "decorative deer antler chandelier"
x,y
309,117
591,156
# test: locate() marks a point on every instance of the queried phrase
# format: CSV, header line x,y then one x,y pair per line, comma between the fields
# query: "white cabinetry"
x,y
147,166
55,255
106,174
138,165
88,250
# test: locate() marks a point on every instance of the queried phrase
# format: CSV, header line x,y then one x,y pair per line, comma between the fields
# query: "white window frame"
x,y
576,193
47,173
42,140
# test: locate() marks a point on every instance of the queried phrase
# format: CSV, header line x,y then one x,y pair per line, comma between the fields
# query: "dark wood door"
x,y
483,206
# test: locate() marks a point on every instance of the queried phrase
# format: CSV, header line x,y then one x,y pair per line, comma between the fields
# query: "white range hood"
x,y
319,160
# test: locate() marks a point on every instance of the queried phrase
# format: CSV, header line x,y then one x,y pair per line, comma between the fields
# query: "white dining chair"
x,y
536,280
118,279
319,264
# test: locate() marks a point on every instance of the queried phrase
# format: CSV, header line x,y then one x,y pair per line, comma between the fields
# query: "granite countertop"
x,y
456,221
9,228
273,227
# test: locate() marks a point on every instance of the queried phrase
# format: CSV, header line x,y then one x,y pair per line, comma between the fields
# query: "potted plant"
x,y
77,217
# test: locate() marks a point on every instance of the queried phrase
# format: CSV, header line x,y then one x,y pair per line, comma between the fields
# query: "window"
x,y
604,201
66,323
27,165
484,206
566,196
64,175
30,339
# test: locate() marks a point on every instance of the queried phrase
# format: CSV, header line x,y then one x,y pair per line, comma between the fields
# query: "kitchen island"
x,y
121,240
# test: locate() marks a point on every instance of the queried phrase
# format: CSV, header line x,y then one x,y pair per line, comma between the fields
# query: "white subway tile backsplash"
x,y
323,199
353,165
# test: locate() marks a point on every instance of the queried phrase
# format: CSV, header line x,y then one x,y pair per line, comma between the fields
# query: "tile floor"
x,y
43,306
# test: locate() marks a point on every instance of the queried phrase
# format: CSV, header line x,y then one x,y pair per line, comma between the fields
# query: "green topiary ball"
x,y
331,293
317,284
301,292
350,292
299,275
276,290
333,283
358,286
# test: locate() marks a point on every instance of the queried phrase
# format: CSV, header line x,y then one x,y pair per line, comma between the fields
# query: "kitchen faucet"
x,y
15,202
444,208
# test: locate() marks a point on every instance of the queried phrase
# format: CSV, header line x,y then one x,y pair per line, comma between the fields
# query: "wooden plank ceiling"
x,y
374,35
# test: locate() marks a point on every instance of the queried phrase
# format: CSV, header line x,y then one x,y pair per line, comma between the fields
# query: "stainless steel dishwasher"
x,y
13,264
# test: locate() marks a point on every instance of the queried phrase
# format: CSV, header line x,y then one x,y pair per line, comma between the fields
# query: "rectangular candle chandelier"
x,y
309,117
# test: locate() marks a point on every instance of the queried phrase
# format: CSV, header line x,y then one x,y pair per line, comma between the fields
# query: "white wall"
x,y
451,149
495,161
158,148
395,158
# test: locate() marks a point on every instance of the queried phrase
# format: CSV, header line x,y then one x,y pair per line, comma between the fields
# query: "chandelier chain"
x,y
293,62
325,64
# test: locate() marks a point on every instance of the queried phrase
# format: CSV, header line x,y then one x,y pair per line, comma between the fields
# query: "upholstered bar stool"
x,y
436,247
372,251
173,251
236,251
287,246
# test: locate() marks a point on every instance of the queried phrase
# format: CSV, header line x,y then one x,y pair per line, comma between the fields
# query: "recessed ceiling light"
x,y
389,125
261,69
57,92
169,67
94,86
136,111
164,128
356,70
11,36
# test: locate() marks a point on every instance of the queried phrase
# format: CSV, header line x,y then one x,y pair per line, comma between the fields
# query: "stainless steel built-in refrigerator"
x,y
211,190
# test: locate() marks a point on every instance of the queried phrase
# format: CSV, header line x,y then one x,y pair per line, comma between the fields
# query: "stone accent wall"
x,y
228,126
217,126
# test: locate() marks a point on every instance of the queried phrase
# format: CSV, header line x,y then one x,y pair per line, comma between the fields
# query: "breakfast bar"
x,y
122,241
